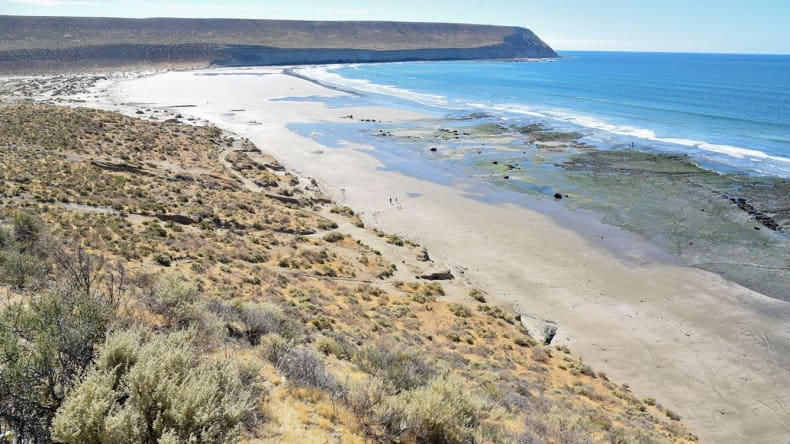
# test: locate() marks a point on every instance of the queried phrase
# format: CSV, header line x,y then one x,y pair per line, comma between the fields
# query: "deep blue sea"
x,y
729,112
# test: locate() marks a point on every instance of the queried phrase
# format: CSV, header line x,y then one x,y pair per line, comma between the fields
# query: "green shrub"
x,y
344,210
334,237
495,312
5,238
332,346
303,368
26,228
44,346
401,368
459,310
149,387
322,322
262,318
541,355
273,347
434,288
176,298
251,321
163,259
477,295
20,269
543,424
442,411
523,341
395,240
672,415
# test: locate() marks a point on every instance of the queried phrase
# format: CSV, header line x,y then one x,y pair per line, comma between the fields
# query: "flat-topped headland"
x,y
60,44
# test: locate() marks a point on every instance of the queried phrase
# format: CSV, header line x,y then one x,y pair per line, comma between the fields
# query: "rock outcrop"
x,y
540,329
444,275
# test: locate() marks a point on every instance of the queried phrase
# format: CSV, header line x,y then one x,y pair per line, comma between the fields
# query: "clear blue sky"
x,y
761,26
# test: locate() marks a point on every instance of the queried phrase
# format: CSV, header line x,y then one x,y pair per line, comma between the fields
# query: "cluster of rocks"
x,y
766,220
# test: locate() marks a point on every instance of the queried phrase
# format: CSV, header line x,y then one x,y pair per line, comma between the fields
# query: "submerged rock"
x,y
767,221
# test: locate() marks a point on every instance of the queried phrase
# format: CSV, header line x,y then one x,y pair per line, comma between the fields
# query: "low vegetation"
x,y
266,323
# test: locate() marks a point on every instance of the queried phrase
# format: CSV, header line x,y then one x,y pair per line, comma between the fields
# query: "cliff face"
x,y
36,44
521,44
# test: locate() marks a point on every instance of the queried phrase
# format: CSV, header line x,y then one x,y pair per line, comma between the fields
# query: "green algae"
x,y
693,213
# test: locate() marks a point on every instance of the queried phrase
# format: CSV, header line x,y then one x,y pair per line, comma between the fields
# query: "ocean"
x,y
610,128
727,112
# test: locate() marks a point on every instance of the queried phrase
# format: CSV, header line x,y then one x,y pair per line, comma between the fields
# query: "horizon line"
x,y
672,51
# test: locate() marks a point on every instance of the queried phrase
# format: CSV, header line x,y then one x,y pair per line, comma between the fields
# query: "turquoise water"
x,y
729,112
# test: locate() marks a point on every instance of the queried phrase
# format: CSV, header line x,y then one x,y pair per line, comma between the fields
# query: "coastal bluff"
x,y
68,44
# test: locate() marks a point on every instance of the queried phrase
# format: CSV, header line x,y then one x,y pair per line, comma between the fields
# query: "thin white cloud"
x,y
600,44
349,12
54,3
151,5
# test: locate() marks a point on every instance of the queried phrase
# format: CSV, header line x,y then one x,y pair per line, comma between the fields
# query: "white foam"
x,y
648,134
325,75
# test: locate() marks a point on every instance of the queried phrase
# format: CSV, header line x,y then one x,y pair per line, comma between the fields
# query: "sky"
x,y
755,26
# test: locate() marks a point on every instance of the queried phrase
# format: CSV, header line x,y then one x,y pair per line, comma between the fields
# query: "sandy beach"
x,y
713,351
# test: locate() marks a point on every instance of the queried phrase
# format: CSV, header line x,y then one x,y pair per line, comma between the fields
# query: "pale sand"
x,y
712,351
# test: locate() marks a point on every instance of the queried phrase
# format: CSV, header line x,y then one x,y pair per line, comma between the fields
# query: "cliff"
x,y
36,44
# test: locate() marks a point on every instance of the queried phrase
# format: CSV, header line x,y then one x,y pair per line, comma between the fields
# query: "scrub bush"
x,y
151,388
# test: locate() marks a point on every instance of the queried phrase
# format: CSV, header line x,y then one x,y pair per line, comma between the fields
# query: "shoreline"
x,y
736,220
546,270
721,155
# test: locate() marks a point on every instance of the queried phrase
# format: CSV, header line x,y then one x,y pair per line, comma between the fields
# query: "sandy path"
x,y
713,351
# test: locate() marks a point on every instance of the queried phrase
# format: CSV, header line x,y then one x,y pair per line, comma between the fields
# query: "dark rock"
x,y
445,275
177,218
433,149
475,116
767,221
549,331
287,230
284,199
120,167
422,256
557,196
274,166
